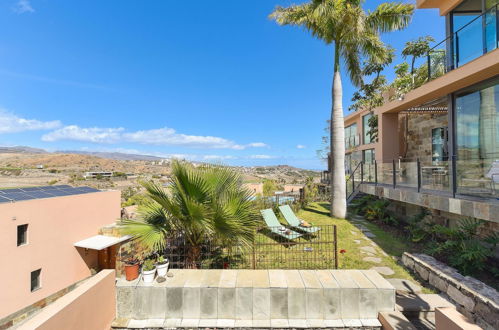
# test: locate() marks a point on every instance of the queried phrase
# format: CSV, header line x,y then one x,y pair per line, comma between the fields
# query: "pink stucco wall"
x,y
54,225
90,306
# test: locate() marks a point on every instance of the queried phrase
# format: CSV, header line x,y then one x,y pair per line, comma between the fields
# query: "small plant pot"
x,y
131,271
148,275
162,269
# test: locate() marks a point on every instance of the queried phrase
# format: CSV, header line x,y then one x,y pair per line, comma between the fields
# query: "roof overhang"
x,y
100,242
444,6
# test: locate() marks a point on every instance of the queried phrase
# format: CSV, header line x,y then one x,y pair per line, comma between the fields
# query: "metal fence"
x,y
272,248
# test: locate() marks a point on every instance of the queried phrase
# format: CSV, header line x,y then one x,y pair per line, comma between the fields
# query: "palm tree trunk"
x,y
193,254
337,144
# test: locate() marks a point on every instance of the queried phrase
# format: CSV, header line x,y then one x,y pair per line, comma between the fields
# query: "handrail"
x,y
360,166
465,25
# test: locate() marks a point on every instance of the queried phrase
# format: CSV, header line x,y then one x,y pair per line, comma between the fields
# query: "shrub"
x,y
462,246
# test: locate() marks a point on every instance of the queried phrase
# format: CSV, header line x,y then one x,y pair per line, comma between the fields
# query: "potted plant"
x,y
131,268
162,266
148,271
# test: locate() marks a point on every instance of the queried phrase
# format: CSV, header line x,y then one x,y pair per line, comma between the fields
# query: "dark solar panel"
x,y
19,194
40,194
12,190
31,189
88,189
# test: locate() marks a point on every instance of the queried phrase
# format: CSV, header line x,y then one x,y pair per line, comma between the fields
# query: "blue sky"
x,y
205,80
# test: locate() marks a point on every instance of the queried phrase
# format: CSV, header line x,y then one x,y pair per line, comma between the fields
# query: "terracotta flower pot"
x,y
131,271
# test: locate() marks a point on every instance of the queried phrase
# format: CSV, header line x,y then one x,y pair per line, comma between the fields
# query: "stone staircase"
x,y
256,299
414,310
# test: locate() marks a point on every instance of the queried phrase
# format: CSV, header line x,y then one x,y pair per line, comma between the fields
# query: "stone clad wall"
x,y
418,138
473,298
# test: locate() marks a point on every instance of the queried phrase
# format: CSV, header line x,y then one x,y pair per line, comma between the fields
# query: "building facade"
x,y
38,231
438,145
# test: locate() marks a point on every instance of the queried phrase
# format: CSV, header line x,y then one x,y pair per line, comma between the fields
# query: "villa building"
x,y
438,145
49,243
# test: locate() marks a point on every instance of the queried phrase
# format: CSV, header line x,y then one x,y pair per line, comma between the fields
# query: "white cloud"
x,y
159,136
10,123
261,157
218,157
92,134
257,145
23,6
300,146
168,136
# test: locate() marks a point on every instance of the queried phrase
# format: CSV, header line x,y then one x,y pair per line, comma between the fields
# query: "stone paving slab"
x,y
403,285
369,249
383,270
375,260
421,302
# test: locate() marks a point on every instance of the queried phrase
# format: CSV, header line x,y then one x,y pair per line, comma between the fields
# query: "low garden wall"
x,y
92,306
473,298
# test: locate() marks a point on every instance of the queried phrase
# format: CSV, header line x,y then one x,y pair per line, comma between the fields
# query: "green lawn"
x,y
318,214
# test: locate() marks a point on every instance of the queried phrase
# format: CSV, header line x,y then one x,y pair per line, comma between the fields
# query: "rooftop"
x,y
21,194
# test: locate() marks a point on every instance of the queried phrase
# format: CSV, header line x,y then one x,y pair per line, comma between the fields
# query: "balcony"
x,y
478,37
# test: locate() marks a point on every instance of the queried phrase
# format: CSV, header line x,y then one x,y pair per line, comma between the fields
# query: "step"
x,y
420,305
257,295
395,321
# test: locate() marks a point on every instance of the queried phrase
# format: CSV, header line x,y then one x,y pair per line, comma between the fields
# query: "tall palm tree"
x,y
354,34
202,204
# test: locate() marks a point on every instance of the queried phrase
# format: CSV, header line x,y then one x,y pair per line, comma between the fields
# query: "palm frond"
x,y
390,16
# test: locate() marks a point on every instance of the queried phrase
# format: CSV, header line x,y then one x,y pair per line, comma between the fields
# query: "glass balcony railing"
x,y
471,41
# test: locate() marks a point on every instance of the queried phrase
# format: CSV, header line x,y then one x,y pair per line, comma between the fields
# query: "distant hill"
x,y
112,155
72,164
22,149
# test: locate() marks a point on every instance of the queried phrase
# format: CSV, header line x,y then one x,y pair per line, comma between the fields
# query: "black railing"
x,y
354,180
283,247
449,175
476,38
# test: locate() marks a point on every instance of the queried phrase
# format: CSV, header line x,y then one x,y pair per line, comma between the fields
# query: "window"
x,y
477,123
35,280
439,152
351,137
22,235
368,156
366,128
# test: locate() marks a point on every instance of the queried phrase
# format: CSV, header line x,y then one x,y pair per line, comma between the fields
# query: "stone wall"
x,y
418,138
473,298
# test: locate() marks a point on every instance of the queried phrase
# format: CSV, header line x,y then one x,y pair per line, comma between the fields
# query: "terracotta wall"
x,y
91,306
54,225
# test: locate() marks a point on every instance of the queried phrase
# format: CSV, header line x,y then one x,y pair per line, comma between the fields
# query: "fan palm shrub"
x,y
355,34
202,205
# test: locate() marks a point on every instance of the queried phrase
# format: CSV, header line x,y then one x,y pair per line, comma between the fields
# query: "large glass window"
x,y
366,128
351,136
368,156
477,132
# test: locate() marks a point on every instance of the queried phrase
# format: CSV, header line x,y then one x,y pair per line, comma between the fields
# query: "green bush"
x,y
461,246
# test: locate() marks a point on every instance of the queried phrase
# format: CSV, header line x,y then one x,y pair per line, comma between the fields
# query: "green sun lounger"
x,y
293,220
276,227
